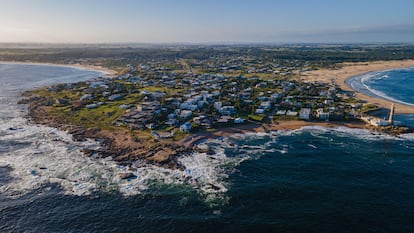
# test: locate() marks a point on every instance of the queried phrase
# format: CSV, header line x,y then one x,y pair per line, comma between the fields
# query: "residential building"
x,y
305,113
186,127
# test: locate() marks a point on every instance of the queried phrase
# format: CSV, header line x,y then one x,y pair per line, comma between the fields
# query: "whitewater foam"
x,y
360,83
41,155
48,155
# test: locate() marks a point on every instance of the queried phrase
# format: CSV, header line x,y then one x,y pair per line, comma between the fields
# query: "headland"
x,y
157,120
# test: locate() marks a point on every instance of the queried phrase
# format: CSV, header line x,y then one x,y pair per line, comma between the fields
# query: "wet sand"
x,y
339,76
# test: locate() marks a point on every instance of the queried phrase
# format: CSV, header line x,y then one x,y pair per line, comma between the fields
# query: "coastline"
x,y
106,71
266,128
124,148
349,70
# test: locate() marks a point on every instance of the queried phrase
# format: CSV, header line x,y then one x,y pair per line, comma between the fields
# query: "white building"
x,y
218,105
260,111
86,97
321,114
281,112
188,106
227,110
291,113
304,113
238,120
186,127
375,121
185,113
265,105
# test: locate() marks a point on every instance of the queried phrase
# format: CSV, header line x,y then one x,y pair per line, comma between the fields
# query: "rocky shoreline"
x,y
126,152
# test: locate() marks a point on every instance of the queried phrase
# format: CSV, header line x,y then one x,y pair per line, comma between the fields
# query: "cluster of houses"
x,y
249,64
170,100
208,100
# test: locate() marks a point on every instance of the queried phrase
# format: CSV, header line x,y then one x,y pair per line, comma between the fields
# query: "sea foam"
x,y
39,155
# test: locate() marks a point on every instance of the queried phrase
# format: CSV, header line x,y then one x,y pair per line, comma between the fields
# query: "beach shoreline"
x,y
106,71
349,70
339,76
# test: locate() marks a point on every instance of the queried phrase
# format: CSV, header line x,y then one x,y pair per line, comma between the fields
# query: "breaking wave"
x,y
361,84
39,155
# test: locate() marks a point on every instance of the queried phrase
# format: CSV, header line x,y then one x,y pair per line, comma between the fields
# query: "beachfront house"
x,y
321,114
304,113
291,113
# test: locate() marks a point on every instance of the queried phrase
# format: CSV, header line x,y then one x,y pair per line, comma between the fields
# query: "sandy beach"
x,y
104,70
353,69
339,76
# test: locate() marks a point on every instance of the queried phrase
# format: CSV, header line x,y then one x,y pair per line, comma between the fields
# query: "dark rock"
x,y
214,187
126,175
12,128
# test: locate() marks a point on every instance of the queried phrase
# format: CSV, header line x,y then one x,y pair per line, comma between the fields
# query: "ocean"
x,y
313,179
394,85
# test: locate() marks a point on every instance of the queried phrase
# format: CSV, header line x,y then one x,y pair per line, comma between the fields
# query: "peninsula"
x,y
156,110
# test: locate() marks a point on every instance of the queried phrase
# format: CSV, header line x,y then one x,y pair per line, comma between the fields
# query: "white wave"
x,y
205,173
363,79
283,151
49,155
407,136
385,96
362,134
40,155
47,158
380,77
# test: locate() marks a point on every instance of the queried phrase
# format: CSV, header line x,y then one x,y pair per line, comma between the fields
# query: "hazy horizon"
x,y
202,22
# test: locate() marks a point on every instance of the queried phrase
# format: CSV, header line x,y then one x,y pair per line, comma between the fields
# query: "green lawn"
x,y
256,117
101,117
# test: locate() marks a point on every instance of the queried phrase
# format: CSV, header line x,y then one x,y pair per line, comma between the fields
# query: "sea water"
x,y
314,179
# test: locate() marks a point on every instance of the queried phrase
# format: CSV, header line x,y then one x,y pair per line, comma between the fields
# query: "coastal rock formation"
x,y
392,130
126,147
126,175
121,148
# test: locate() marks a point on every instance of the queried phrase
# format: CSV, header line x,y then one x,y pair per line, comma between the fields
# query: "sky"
x,y
207,21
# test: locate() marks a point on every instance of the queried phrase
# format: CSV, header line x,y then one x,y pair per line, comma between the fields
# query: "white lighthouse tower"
x,y
391,119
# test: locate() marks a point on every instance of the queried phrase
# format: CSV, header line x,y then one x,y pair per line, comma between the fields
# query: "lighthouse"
x,y
391,119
